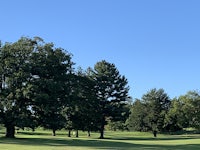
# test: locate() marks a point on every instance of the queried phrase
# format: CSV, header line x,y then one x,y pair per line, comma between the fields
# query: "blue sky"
x,y
154,43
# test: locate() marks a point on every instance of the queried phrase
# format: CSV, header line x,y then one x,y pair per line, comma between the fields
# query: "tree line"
x,y
40,87
158,113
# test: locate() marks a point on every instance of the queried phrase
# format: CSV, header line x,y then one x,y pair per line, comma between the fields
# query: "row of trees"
x,y
156,112
40,87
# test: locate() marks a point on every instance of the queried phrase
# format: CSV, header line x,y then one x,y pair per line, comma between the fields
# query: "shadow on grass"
x,y
95,143
154,139
35,133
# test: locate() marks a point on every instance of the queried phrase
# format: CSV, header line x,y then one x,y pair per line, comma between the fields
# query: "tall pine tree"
x,y
111,91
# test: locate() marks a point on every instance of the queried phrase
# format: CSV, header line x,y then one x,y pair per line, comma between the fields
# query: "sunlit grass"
x,y
42,140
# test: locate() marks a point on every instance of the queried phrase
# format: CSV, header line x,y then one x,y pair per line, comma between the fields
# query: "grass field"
x,y
42,140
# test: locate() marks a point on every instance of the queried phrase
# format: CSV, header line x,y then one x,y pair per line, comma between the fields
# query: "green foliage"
x,y
39,87
184,112
82,109
51,69
15,76
176,119
117,126
149,113
156,112
34,84
136,120
111,90
193,108
157,104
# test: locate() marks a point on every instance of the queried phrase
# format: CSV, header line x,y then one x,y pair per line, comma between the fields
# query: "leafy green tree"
x,y
136,120
111,91
157,104
117,125
176,118
51,71
184,112
14,84
120,123
82,109
191,108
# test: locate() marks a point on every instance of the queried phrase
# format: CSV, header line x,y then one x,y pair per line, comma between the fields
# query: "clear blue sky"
x,y
154,43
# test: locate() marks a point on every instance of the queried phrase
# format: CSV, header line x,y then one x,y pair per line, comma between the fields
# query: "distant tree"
x,y
120,123
191,108
157,104
136,120
117,126
176,118
184,112
14,85
51,71
111,91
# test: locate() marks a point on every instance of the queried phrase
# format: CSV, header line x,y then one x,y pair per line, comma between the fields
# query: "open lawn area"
x,y
42,140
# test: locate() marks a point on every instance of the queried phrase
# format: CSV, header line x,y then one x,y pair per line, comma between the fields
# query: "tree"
x,y
14,84
136,120
184,112
51,71
82,110
120,123
111,91
191,108
176,118
157,104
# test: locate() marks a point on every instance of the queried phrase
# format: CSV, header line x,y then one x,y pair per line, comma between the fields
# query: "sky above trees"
x,y
155,44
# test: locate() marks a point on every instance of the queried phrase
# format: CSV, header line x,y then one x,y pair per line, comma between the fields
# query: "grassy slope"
x,y
42,140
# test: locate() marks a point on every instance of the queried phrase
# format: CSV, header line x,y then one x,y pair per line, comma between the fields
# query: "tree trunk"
x,y
69,133
155,134
89,133
101,134
54,132
10,131
76,133
102,128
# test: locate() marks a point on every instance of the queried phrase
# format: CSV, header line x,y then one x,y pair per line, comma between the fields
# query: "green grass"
x,y
42,140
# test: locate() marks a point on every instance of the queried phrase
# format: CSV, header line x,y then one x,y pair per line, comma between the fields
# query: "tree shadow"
x,y
34,133
154,139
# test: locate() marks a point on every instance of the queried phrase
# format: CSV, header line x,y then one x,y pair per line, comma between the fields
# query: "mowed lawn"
x,y
42,140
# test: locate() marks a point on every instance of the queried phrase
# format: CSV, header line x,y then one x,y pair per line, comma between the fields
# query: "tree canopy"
x,y
111,90
40,87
